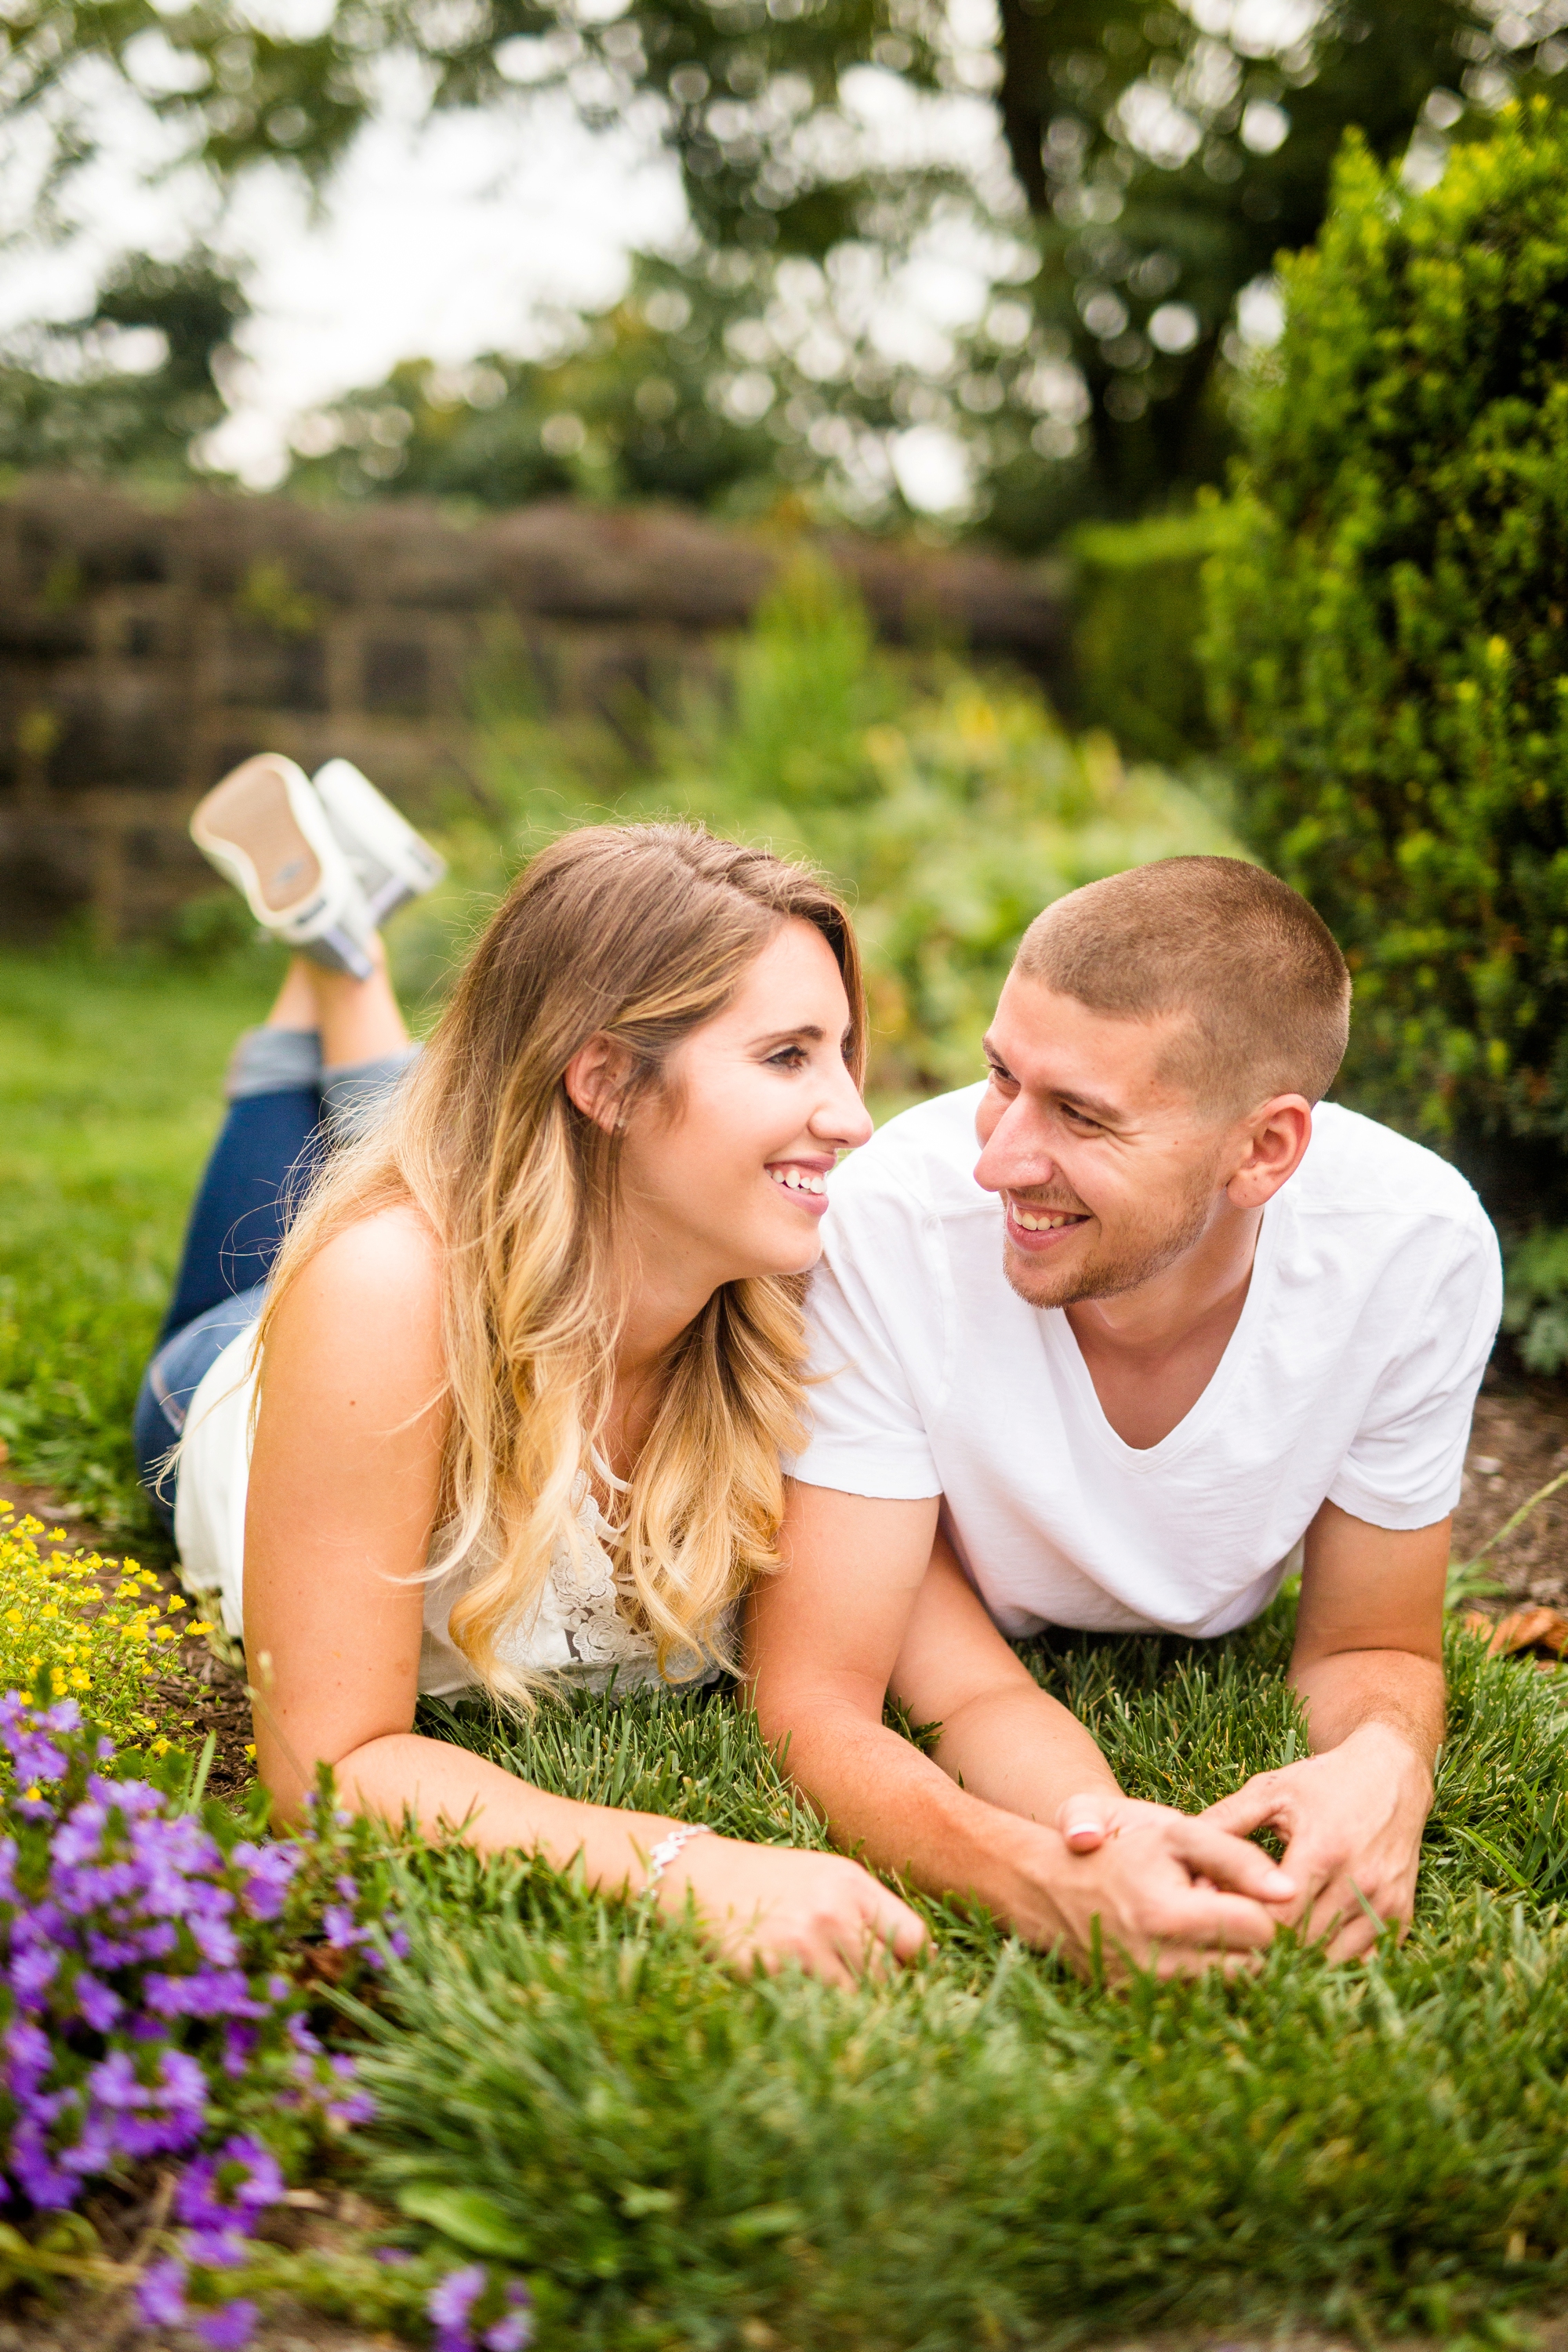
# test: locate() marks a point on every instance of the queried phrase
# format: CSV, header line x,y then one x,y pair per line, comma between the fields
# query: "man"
x,y
1172,1323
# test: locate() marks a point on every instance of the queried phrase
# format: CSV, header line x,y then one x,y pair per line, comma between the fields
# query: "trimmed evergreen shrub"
x,y
1137,605
1385,639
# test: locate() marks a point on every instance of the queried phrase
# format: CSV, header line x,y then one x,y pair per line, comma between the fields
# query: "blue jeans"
x,y
284,1112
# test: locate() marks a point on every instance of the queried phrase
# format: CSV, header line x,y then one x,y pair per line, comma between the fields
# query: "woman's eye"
x,y
793,1057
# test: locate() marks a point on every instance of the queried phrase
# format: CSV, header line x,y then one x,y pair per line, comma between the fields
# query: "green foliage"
x,y
1138,602
951,807
982,2150
1535,1298
67,400
1386,637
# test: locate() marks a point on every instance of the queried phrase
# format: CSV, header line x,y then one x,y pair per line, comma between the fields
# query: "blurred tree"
x,y
130,388
1151,160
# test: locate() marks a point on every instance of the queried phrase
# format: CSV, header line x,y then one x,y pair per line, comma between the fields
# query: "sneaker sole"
x,y
248,828
250,812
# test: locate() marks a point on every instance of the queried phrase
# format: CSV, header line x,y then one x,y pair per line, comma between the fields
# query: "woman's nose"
x,y
844,1120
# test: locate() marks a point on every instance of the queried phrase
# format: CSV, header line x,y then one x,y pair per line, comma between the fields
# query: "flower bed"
x,y
94,1630
162,1966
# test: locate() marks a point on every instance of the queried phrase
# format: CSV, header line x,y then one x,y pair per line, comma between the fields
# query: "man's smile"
x,y
1034,1226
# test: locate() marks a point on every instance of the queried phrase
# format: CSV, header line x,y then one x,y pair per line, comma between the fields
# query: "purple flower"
x,y
514,2331
342,1931
161,2295
32,1973
230,2329
269,1869
218,2191
98,2003
450,2301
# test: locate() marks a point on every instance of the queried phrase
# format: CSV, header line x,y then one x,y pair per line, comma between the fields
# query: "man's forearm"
x,y
1350,1690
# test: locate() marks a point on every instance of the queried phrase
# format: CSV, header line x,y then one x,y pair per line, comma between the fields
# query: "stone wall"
x,y
145,649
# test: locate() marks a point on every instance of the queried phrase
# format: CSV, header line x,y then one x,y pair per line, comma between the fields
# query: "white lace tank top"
x,y
579,1629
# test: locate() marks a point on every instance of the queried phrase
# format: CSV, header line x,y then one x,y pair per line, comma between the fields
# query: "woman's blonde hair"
x,y
641,932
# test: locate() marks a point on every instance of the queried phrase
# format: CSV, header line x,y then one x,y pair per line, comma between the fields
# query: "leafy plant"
x,y
60,1630
148,2007
1385,638
1535,1297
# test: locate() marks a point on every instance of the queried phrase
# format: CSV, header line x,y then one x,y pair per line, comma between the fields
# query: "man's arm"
x,y
832,1631
1368,1667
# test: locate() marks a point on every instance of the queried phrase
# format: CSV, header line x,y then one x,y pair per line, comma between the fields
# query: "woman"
x,y
521,1377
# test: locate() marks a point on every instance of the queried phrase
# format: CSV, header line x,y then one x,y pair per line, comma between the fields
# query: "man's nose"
x,y
1018,1152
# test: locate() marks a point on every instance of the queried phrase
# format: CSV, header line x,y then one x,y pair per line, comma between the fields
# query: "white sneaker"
x,y
267,832
390,861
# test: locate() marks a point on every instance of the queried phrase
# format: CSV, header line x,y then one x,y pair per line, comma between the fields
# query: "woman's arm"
x,y
343,1490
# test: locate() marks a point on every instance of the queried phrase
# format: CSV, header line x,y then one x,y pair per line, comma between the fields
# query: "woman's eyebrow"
x,y
809,1030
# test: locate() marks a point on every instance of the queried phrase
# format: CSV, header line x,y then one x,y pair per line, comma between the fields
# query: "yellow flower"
x,y
159,1747
198,1625
250,1749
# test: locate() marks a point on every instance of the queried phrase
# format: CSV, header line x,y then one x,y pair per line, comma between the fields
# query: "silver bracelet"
x,y
664,1852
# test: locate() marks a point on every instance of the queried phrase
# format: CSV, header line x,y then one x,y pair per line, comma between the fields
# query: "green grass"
x,y
109,1100
986,2152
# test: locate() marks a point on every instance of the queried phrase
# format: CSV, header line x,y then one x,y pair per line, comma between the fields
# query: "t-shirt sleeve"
x,y
1407,1463
867,1433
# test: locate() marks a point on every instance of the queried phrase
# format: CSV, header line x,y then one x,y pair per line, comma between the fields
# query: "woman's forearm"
x,y
1021,1751
444,1791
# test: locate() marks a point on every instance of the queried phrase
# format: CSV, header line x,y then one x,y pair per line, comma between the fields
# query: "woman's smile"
x,y
805,1181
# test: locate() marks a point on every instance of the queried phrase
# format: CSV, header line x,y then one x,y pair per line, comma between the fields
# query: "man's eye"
x,y
1078,1117
999,1076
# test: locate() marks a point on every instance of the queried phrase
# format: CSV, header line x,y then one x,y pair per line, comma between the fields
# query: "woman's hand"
x,y
769,1904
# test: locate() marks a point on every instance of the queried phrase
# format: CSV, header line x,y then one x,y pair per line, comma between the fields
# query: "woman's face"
x,y
726,1176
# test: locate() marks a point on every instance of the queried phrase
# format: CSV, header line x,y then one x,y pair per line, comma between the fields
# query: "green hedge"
x,y
1137,604
1386,638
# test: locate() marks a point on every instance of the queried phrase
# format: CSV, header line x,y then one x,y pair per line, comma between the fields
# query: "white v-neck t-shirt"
x,y
1351,1376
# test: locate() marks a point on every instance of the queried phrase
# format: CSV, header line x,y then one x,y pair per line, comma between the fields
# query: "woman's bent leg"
x,y
264,1153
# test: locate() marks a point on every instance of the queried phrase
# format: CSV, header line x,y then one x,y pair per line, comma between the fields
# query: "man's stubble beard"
x,y
1118,1268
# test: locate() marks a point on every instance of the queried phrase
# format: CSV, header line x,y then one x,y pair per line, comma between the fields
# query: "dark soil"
x,y
1518,1443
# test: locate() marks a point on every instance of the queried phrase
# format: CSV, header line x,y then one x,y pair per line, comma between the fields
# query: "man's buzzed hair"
x,y
1254,966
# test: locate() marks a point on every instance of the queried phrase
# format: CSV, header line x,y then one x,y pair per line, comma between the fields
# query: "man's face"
x,y
1108,1171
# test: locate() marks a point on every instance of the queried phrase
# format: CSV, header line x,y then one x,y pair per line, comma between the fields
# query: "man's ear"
x,y
596,1079
1274,1139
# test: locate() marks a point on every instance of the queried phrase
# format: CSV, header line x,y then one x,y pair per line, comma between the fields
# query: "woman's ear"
x,y
595,1080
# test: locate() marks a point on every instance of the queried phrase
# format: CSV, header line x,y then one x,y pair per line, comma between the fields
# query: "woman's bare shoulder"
x,y
375,1287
